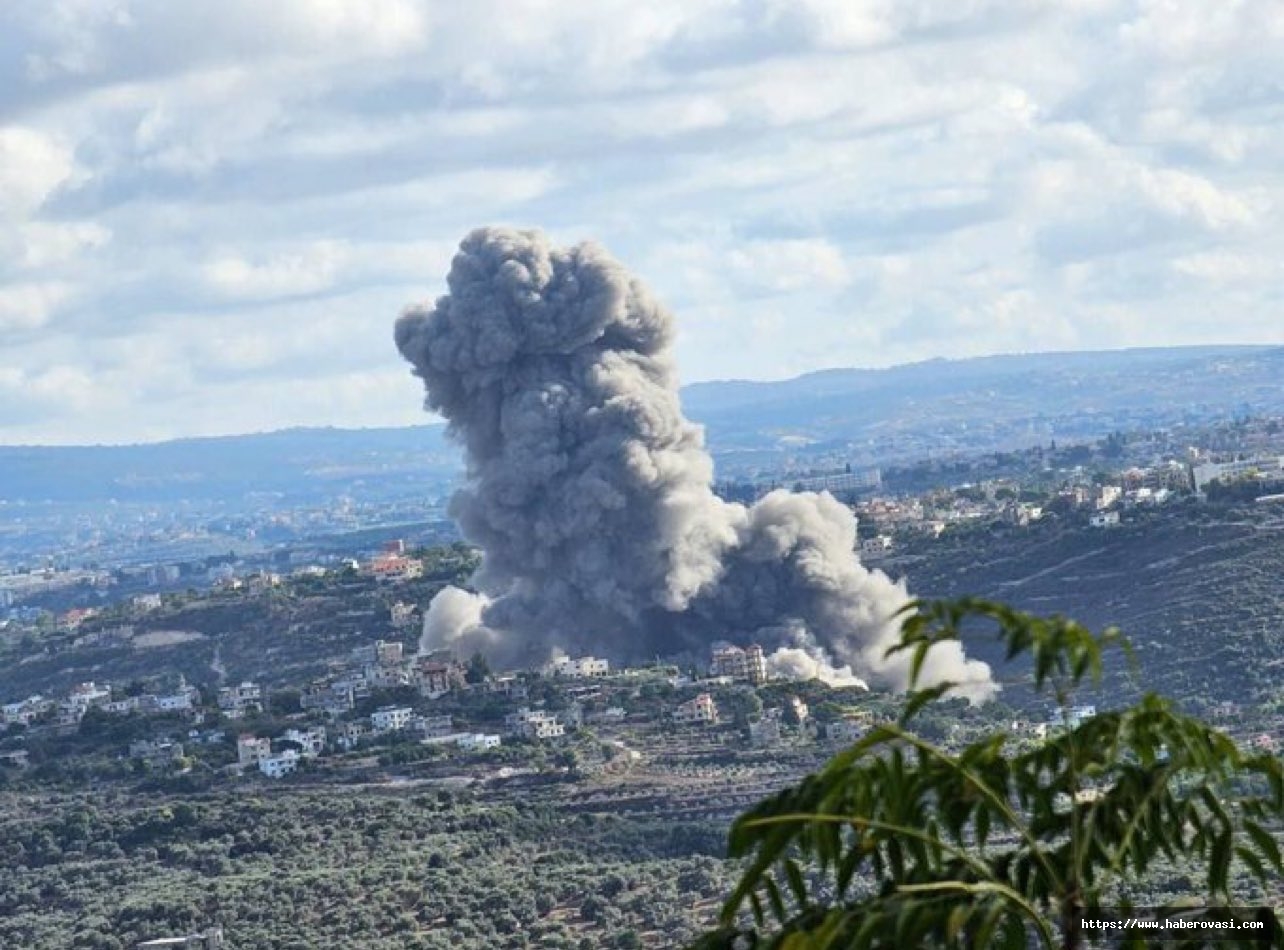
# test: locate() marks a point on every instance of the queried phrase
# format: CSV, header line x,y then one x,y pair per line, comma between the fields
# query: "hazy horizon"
x,y
428,420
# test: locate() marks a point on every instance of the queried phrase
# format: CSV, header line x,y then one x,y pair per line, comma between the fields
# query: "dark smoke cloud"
x,y
590,494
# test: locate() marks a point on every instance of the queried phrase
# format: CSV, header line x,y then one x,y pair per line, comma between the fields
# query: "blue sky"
x,y
211,211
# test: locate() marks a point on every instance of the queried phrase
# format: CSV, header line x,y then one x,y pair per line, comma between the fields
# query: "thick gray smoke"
x,y
590,494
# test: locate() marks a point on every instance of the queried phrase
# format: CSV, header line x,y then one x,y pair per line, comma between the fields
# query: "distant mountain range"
x,y
869,416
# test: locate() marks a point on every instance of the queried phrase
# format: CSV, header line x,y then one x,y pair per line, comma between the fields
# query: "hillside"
x,y
1198,591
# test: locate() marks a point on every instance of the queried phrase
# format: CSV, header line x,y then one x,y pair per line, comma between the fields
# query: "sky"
x,y
212,211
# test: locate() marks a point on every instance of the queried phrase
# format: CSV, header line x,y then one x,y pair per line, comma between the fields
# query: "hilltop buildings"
x,y
748,664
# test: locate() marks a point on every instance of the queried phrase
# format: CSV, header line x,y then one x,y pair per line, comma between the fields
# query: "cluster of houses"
x,y
69,709
282,755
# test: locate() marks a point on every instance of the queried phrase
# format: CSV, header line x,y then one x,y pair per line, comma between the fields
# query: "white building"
x,y
477,742
84,695
282,764
391,718
1105,519
876,546
311,741
1229,471
534,724
586,666
147,602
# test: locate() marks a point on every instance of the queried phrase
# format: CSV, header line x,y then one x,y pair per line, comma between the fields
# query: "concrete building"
x,y
434,678
534,724
311,741
1201,475
332,699
699,711
349,734
391,718
279,765
250,750
238,701
478,742
433,727
587,666
379,653
748,664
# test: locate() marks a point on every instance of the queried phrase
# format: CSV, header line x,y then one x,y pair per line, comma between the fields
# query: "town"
x,y
380,710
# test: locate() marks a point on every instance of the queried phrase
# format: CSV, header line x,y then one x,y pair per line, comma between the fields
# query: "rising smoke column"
x,y
590,495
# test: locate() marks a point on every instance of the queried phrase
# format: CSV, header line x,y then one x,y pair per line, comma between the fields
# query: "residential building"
x,y
877,546
509,685
332,699
403,615
25,710
391,718
534,724
349,734
395,567
586,666
279,765
84,695
747,664
147,602
433,726
701,710
434,678
387,677
478,742
238,701
1105,519
311,741
1108,495
251,749
379,653
1229,471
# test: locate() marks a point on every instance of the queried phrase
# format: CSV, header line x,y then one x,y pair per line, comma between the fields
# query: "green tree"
x,y
991,846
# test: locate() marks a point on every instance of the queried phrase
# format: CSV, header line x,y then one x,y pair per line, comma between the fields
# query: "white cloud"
x,y
32,165
222,204
28,306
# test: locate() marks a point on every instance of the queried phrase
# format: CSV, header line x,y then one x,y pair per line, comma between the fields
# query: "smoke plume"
x,y
590,494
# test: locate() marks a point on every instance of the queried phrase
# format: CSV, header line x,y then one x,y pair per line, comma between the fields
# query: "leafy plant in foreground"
x,y
994,847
